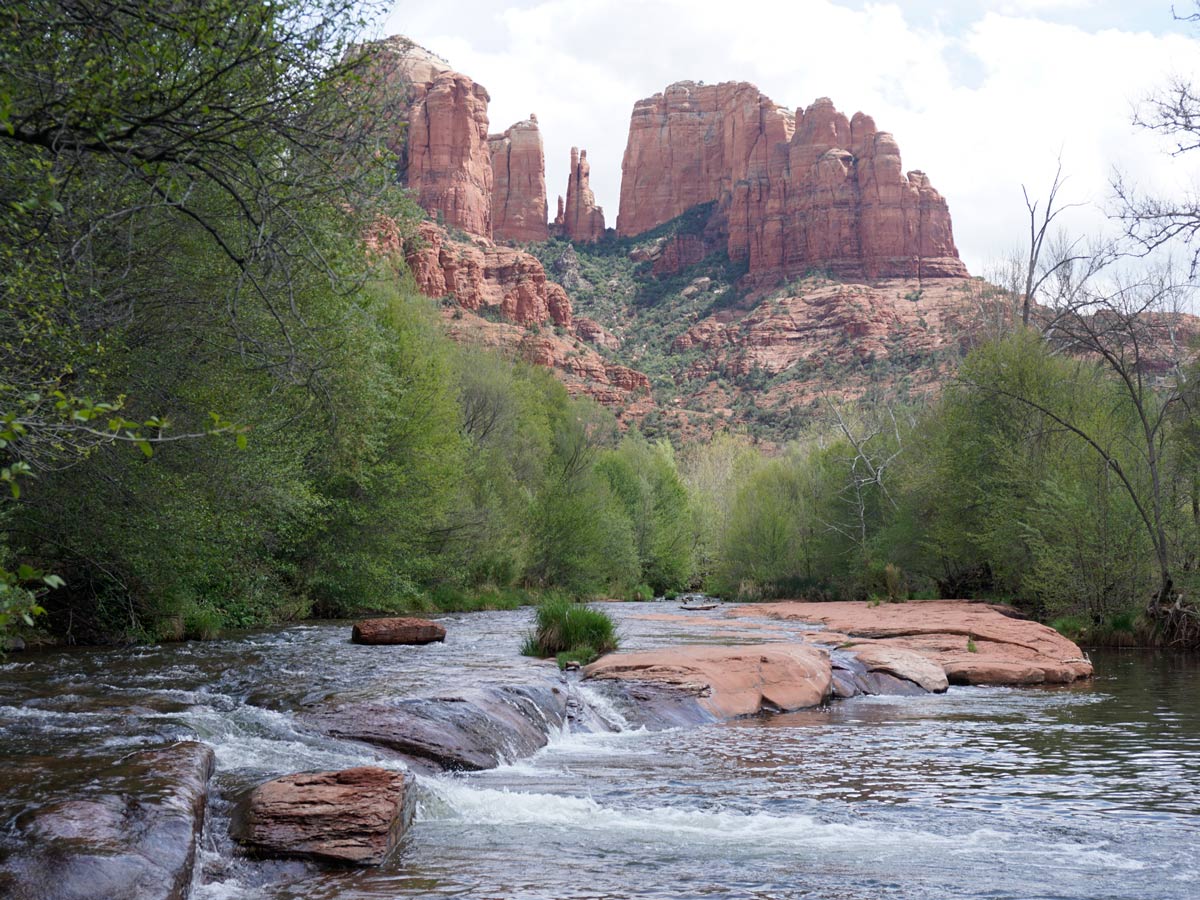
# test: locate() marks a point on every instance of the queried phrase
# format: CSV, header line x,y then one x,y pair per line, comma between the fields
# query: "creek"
x,y
1088,791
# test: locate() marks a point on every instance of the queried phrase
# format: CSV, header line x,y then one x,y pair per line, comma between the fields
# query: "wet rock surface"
x,y
468,730
355,816
724,681
397,631
128,830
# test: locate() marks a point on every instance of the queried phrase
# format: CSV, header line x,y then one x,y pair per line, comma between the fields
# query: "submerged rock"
x,y
397,631
720,682
356,816
129,832
469,730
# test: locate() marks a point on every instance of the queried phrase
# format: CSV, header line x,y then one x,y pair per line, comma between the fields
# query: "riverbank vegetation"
x,y
219,410
570,631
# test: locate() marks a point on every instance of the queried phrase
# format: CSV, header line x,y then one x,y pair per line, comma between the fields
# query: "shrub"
x,y
563,625
643,592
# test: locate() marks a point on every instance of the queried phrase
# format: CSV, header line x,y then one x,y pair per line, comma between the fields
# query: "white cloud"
x,y
983,107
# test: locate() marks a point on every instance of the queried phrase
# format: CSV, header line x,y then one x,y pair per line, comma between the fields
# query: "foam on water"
x,y
447,799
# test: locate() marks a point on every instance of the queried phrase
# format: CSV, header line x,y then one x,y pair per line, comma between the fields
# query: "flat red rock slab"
x,y
974,643
729,680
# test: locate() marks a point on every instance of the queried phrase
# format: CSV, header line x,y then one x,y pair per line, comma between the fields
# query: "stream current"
x,y
1090,791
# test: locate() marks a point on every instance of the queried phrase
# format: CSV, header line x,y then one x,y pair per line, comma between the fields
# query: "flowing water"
x,y
1085,792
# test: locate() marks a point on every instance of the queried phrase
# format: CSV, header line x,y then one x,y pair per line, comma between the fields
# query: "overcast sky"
x,y
981,94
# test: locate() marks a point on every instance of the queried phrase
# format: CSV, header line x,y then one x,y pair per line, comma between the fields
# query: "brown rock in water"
x,y
907,665
519,183
795,192
579,218
355,816
128,832
397,631
1006,650
468,730
727,681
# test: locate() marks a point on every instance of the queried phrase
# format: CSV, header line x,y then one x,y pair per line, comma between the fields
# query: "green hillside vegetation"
x,y
648,312
218,410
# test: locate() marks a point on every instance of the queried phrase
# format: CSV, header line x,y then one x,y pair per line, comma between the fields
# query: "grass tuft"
x,y
563,626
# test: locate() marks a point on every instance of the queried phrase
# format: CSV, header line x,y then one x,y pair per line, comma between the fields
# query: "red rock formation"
x,y
481,274
579,219
519,183
441,136
842,323
690,144
800,192
447,164
595,333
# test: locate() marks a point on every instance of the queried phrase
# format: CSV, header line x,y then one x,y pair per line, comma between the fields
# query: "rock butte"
x,y
795,191
519,183
579,218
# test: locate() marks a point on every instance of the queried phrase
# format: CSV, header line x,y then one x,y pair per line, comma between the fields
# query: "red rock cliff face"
x,y
447,162
579,219
482,274
519,183
441,135
690,144
814,190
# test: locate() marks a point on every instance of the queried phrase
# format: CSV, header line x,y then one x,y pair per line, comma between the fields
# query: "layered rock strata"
x,y
355,816
130,832
519,183
579,219
795,192
481,275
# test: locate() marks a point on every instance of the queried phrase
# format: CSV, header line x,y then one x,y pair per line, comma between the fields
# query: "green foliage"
x,y
645,479
565,626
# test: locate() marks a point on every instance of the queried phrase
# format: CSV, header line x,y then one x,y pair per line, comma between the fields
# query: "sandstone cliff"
x,y
446,162
500,297
579,218
519,183
813,190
